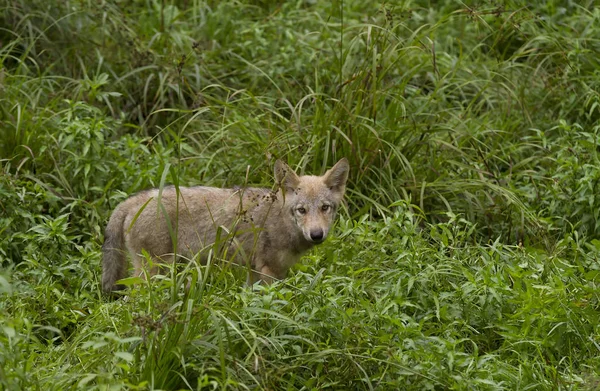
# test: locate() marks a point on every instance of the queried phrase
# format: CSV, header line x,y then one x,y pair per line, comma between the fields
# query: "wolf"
x,y
265,229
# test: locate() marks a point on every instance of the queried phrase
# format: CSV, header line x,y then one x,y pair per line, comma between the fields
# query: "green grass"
x,y
467,257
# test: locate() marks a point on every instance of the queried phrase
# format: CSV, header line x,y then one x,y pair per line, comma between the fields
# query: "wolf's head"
x,y
312,201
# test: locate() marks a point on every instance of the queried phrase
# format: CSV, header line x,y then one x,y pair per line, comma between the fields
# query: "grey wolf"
x,y
267,230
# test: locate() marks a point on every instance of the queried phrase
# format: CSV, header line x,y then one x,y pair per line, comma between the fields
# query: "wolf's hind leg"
x,y
157,265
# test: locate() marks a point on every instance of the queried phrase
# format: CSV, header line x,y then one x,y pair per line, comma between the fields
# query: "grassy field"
x,y
467,257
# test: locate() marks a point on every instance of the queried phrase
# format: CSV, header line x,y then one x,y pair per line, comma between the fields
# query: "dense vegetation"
x,y
467,256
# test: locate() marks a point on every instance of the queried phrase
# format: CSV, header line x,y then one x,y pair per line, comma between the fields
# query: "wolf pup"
x,y
267,229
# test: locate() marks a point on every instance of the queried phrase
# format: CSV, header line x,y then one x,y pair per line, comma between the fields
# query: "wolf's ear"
x,y
285,177
335,178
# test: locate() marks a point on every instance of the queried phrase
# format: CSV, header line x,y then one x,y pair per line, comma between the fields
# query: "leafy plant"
x,y
466,257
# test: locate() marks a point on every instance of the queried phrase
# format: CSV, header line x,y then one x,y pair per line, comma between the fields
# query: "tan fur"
x,y
267,229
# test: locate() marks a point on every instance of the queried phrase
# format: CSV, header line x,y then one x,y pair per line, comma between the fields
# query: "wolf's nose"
x,y
316,235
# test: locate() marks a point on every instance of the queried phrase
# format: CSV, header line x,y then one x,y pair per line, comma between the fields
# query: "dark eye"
x,y
325,208
301,210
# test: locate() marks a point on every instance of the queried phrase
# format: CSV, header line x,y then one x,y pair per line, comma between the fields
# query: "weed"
x,y
466,258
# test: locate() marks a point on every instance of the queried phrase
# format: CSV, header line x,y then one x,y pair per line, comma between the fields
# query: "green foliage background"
x,y
467,256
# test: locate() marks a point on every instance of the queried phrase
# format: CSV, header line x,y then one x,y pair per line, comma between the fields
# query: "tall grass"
x,y
467,255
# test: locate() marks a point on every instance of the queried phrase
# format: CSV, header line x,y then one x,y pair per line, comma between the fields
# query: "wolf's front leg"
x,y
266,275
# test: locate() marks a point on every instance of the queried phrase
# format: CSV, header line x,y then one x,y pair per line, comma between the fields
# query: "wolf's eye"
x,y
325,208
301,210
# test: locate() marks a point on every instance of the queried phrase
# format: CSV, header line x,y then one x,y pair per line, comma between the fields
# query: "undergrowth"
x,y
467,255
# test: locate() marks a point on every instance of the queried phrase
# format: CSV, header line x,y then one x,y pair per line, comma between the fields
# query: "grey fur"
x,y
269,230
